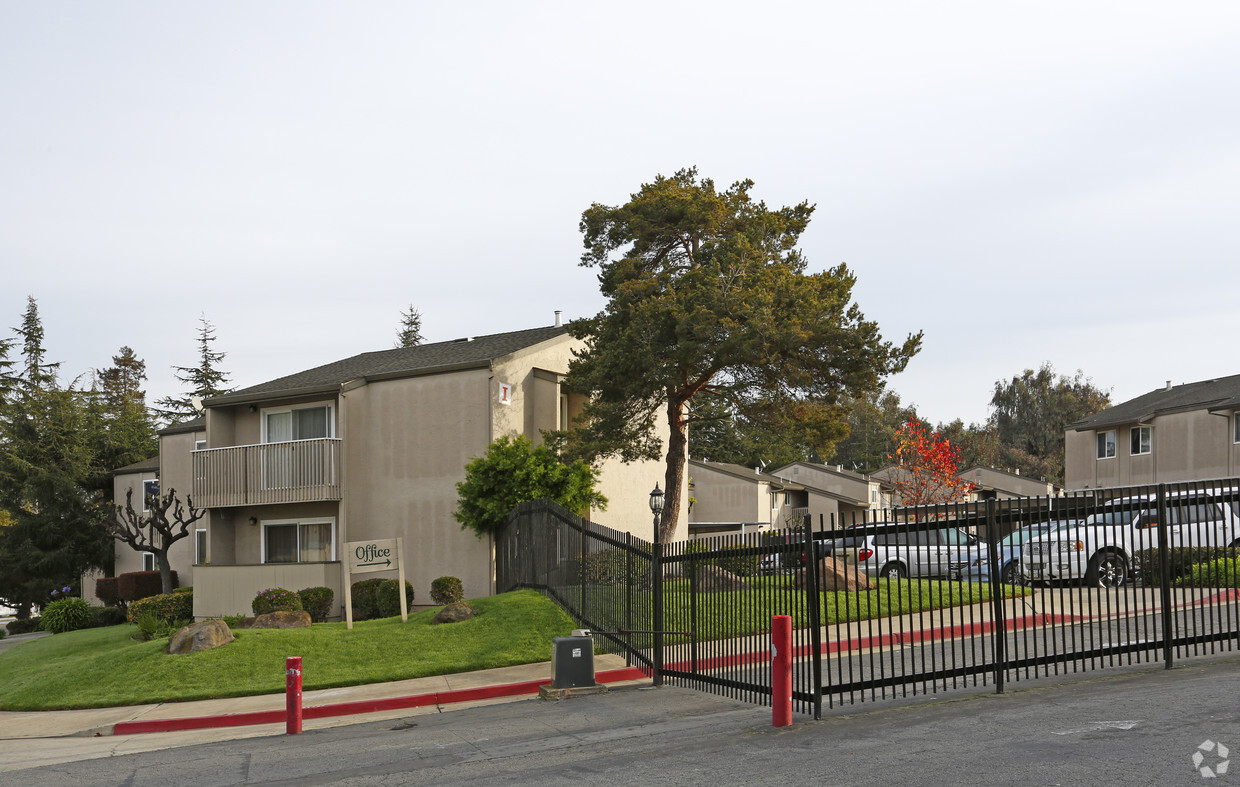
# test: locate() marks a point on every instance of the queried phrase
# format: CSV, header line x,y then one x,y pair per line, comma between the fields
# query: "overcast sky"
x,y
1024,182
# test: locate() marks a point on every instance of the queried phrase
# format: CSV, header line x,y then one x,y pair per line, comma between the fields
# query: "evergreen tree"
x,y
119,420
708,298
204,380
410,333
46,461
873,421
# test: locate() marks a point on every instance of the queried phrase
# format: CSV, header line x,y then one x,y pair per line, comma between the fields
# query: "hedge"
x,y
1147,570
136,585
107,591
168,608
447,590
317,601
377,598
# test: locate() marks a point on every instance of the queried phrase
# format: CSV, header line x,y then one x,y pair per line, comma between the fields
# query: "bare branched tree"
x,y
165,522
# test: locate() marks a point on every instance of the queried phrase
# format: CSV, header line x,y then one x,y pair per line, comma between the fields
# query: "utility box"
x,y
572,661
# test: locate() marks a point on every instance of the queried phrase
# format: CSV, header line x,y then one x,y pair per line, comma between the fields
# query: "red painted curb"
x,y
360,706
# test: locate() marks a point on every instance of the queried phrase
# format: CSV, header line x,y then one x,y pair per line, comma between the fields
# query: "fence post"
x,y
292,692
628,596
693,590
998,609
813,597
656,601
781,670
1164,571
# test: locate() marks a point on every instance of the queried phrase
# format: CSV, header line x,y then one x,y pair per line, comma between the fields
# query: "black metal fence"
x,y
923,600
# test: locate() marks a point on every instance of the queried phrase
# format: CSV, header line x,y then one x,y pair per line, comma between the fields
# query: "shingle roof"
x,y
145,466
740,471
398,362
198,424
1220,394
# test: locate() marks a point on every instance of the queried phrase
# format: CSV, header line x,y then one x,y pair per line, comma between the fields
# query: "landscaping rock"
x,y
282,619
835,575
204,635
453,613
712,579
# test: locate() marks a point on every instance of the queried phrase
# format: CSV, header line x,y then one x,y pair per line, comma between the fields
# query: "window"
x,y
563,411
200,445
300,423
148,562
200,547
305,541
1106,445
1142,440
1235,428
150,491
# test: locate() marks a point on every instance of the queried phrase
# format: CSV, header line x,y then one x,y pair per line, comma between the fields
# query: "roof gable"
x,y
1222,393
399,362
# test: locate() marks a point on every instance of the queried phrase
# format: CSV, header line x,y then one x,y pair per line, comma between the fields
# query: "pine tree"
x,y
204,380
46,461
119,421
410,333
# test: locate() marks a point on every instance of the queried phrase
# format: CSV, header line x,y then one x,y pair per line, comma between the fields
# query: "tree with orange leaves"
x,y
927,467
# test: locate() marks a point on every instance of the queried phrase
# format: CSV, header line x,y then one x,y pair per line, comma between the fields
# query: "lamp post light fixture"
x,y
656,508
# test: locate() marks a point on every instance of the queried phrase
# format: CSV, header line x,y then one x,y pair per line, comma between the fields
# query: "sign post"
x,y
363,557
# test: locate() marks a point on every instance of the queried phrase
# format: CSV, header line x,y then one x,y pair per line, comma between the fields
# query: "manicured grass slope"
x,y
104,667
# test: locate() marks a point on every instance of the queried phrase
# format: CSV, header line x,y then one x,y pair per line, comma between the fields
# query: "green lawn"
x,y
103,667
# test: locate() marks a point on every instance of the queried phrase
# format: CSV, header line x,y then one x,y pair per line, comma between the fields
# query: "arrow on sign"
x,y
384,563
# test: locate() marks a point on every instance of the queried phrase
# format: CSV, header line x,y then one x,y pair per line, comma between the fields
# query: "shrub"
x,y
3,632
388,600
317,601
66,614
1221,573
107,616
136,585
106,590
1146,568
275,600
26,626
170,609
447,590
376,598
725,558
365,600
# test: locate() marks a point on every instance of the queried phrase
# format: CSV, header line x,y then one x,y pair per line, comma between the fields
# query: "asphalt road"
x,y
1138,727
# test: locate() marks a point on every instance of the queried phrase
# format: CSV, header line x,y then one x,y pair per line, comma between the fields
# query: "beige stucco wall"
x,y
233,587
821,478
723,497
1188,446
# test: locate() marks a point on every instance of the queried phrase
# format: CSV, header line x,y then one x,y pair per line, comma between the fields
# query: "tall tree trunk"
x,y
165,571
673,477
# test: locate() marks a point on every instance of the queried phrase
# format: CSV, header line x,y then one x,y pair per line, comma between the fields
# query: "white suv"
x,y
1101,549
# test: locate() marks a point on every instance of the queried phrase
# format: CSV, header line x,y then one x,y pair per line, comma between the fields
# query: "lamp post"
x,y
656,585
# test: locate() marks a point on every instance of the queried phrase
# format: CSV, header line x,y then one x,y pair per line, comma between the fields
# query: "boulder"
x,y
712,579
453,613
204,635
282,620
836,575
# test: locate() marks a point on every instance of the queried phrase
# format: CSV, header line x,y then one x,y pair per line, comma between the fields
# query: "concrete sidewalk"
x,y
49,737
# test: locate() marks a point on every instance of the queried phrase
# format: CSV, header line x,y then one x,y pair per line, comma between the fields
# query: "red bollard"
x,y
292,692
781,671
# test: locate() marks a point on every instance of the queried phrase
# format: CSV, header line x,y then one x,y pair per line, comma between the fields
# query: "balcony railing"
x,y
298,471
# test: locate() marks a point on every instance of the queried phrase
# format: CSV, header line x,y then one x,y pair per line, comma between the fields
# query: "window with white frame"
x,y
1106,444
303,422
1141,440
299,541
148,562
1235,428
200,546
200,445
150,491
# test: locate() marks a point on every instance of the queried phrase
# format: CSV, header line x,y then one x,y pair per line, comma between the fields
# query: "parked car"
x,y
1009,551
897,552
1101,550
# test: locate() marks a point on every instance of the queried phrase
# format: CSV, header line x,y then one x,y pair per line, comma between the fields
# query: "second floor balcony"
x,y
296,471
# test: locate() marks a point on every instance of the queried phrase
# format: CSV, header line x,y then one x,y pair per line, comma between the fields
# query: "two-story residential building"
x,y
729,498
369,447
994,483
836,494
1183,432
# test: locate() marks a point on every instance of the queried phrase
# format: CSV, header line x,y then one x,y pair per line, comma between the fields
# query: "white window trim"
x,y
1149,429
146,481
149,557
266,411
1114,444
1235,427
314,520
199,559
